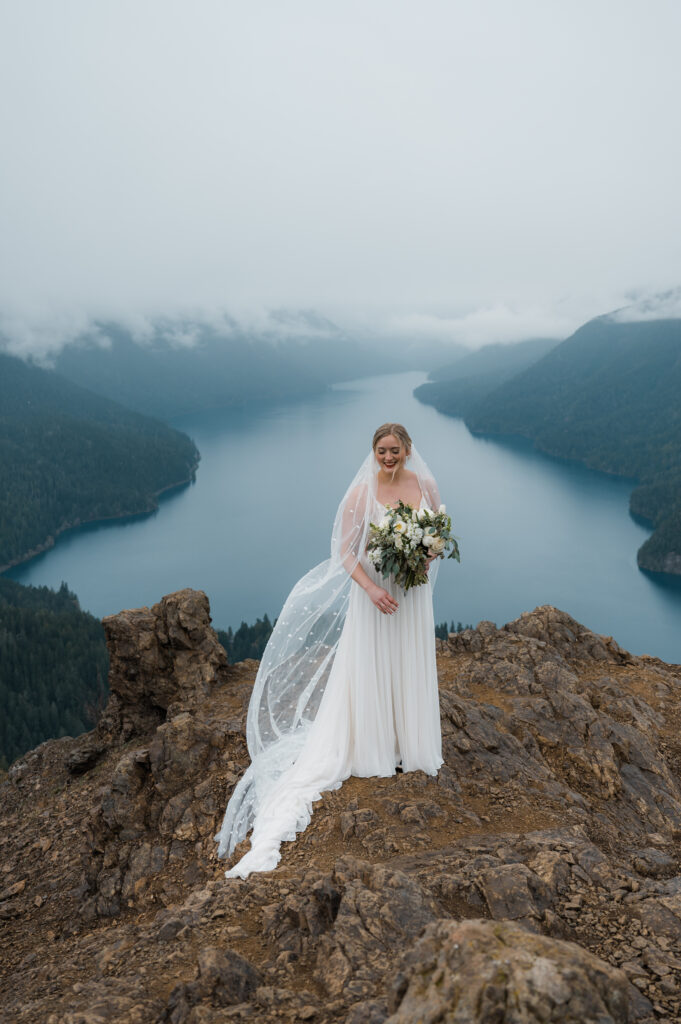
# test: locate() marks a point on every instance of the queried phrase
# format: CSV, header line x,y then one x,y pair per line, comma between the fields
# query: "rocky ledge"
x,y
535,879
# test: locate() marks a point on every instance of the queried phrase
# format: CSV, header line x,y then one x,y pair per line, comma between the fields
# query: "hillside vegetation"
x,y
53,667
68,456
608,396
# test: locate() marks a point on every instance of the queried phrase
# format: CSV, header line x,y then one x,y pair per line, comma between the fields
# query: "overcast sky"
x,y
480,169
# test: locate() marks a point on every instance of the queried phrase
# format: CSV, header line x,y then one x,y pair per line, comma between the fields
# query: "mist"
x,y
470,172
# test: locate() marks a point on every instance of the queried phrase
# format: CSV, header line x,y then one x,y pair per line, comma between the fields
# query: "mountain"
x,y
535,878
184,366
495,359
68,456
456,387
608,396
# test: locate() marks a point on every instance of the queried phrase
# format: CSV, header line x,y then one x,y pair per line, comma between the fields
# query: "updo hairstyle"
x,y
397,430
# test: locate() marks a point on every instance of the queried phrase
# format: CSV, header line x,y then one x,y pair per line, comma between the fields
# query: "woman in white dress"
x,y
348,682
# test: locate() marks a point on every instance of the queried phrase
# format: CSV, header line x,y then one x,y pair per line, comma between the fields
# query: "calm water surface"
x,y
532,530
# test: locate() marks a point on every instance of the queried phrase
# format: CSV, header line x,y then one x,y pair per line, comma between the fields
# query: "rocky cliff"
x,y
535,879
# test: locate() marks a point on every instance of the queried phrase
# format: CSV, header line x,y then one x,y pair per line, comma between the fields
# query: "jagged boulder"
x,y
166,667
159,657
484,972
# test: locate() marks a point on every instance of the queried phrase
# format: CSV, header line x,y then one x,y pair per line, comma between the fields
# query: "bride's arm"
x,y
384,601
353,534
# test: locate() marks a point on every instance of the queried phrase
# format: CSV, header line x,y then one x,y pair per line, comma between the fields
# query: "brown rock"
x,y
480,972
160,656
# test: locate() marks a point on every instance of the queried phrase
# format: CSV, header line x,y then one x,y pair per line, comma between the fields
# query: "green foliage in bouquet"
x,y
406,538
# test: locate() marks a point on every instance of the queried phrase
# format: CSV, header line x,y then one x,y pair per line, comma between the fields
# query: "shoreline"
x,y
153,506
660,574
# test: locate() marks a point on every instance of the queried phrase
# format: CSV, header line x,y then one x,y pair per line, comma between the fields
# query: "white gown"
x,y
380,709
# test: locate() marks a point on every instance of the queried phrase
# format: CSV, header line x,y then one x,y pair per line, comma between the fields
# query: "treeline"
x,y
442,630
247,641
68,456
250,641
608,396
53,667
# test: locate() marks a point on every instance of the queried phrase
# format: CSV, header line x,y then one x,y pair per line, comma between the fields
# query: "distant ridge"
x,y
456,387
183,366
610,397
68,457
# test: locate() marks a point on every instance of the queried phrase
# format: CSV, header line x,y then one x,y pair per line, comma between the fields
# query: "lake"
x,y
533,530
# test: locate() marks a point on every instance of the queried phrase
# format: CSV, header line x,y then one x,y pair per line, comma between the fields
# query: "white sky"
x,y
480,169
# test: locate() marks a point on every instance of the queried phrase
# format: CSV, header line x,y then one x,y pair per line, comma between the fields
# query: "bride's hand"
x,y
383,600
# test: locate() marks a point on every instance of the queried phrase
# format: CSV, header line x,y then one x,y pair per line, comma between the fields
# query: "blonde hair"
x,y
397,430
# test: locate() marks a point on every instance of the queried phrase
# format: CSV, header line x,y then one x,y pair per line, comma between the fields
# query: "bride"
x,y
348,683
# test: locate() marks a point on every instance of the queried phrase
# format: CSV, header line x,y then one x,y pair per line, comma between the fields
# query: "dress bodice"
x,y
382,507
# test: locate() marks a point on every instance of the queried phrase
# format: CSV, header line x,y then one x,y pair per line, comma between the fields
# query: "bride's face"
x,y
390,453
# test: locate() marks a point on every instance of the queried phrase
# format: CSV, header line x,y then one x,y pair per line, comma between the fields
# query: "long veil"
x,y
296,663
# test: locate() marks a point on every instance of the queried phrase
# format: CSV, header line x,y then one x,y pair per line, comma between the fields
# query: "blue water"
x,y
533,530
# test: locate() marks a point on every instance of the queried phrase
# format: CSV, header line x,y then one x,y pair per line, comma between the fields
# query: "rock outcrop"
x,y
535,879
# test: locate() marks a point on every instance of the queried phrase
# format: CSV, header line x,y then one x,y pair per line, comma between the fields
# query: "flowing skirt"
x,y
380,709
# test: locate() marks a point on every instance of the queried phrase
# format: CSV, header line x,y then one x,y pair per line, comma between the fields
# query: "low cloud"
x,y
663,306
42,334
498,323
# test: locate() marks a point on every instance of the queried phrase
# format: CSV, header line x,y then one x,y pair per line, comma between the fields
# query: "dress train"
x,y
380,708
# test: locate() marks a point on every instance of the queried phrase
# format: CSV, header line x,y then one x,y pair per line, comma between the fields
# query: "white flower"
x,y
437,546
399,543
442,509
427,540
384,523
422,514
400,526
415,516
428,511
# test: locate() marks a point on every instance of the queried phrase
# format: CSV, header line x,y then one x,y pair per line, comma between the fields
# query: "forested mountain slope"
x,y
68,456
53,667
456,387
609,396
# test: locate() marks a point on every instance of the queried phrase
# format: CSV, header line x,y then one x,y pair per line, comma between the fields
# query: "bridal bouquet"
x,y
404,540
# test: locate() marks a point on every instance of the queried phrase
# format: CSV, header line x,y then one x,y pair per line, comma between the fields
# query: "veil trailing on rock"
x,y
296,663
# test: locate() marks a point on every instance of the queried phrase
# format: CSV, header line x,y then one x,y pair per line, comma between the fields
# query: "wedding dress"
x,y
361,701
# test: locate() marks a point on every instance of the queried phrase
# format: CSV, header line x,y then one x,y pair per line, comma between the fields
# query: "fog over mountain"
x,y
473,172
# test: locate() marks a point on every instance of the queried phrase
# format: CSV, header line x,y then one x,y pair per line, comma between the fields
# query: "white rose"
x,y
399,543
437,546
427,540
384,523
422,514
442,509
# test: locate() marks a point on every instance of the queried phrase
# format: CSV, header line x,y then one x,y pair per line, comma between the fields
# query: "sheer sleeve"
x,y
431,493
354,527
